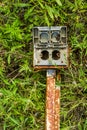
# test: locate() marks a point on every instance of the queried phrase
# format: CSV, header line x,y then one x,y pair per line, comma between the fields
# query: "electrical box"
x,y
50,47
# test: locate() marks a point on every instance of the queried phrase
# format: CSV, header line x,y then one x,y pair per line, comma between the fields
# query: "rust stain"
x,y
50,67
57,103
53,103
59,76
50,103
57,108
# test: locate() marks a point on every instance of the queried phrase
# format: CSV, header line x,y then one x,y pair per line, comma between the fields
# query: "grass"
x,y
22,90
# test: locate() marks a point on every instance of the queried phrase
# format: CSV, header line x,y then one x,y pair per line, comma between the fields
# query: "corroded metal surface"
x,y
57,108
57,103
52,102
50,67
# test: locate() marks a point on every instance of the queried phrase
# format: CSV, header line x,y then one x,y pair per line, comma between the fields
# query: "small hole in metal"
x,y
55,55
55,36
44,55
44,37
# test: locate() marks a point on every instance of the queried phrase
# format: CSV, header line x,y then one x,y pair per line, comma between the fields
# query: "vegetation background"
x,y
22,90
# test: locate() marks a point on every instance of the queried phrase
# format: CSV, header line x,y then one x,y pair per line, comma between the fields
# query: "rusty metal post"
x,y
52,102
57,104
57,108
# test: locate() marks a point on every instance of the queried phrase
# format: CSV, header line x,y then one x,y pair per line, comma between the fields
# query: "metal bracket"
x,y
51,72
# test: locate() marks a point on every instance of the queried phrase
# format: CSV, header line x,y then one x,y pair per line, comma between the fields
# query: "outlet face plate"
x,y
50,47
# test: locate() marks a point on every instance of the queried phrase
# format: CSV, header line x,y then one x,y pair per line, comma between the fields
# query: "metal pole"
x,y
52,102
57,104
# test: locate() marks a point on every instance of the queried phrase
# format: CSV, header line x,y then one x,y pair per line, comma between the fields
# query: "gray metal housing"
x,y
50,46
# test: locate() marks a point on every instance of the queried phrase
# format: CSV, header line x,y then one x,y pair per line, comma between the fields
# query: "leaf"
x,y
42,6
14,121
28,13
1,71
59,2
16,47
50,11
25,67
46,19
9,59
6,81
21,5
66,128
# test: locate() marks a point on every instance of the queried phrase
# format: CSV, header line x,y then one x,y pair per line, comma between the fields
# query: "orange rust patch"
x,y
57,108
50,104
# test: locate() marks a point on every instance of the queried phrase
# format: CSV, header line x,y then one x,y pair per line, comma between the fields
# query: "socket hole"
x,y
55,55
44,37
55,36
44,55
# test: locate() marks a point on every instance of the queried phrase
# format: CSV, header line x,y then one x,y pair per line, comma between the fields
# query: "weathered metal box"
x,y
50,47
